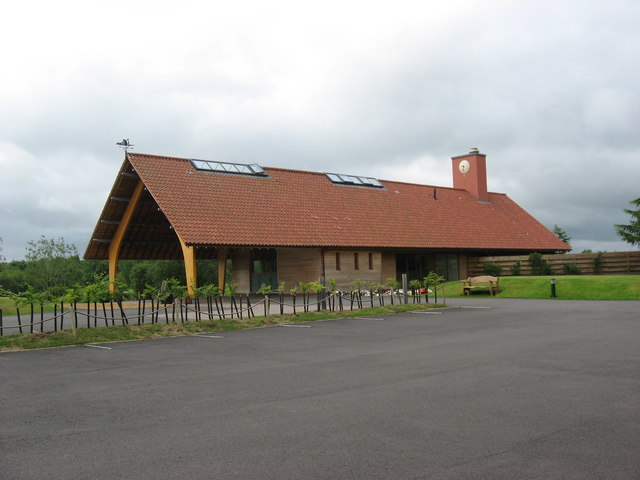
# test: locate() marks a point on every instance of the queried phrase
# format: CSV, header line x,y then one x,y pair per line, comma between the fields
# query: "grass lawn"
x,y
568,287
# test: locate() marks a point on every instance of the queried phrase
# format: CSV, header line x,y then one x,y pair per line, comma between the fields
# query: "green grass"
x,y
27,341
568,287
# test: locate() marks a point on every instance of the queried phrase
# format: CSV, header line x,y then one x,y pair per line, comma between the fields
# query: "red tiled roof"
x,y
305,209
300,208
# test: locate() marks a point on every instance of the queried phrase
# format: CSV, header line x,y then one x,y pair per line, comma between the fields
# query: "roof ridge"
x,y
294,170
308,172
156,156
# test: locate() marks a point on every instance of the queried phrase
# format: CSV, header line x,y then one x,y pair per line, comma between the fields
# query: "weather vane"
x,y
125,144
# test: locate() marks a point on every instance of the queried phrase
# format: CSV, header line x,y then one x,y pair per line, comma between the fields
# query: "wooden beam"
x,y
116,241
189,254
223,252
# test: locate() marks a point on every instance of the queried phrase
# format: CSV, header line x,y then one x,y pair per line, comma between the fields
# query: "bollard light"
x,y
553,288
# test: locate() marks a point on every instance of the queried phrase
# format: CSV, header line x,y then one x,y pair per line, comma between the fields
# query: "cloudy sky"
x,y
548,90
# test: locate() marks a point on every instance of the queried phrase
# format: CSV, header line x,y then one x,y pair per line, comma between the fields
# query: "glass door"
x,y
264,268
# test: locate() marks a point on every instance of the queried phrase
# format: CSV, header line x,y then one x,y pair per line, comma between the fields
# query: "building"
x,y
282,225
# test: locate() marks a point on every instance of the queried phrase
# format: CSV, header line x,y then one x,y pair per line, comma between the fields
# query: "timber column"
x,y
189,255
222,267
116,241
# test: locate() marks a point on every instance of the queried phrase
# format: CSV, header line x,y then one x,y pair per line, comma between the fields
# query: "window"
x,y
337,260
370,260
356,261
225,167
354,180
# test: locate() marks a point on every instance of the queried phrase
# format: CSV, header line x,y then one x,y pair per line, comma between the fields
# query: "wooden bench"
x,y
484,282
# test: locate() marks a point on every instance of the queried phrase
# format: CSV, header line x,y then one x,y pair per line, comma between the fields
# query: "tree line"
x,y
52,266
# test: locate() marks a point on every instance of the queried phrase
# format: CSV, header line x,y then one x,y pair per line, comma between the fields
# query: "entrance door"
x,y
264,268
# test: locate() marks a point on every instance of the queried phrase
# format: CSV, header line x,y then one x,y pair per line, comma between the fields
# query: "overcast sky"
x,y
548,90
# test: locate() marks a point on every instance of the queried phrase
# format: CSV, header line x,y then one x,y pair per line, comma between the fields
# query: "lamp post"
x,y
553,288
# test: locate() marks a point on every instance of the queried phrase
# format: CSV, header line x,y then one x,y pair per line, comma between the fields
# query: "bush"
x,y
598,262
571,269
516,269
492,269
539,266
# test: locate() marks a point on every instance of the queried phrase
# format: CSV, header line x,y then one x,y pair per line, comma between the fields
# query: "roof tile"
x,y
300,208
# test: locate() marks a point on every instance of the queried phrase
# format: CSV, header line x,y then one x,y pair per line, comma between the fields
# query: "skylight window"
x,y
354,180
226,167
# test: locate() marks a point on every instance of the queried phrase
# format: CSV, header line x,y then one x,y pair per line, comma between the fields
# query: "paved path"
x,y
501,389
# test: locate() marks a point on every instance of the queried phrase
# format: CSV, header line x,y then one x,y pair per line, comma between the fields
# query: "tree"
x,y
631,233
52,263
562,235
539,266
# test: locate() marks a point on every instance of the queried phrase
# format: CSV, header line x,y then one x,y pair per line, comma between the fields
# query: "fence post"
x,y
74,320
404,288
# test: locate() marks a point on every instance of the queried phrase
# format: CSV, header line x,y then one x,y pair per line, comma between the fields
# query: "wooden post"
x,y
222,267
404,287
116,241
74,320
189,254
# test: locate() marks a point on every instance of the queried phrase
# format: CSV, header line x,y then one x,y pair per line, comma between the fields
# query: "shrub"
x,y
571,269
414,285
392,284
265,289
598,262
516,269
539,266
492,269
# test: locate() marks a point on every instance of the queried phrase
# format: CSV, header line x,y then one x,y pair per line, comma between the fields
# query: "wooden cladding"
x,y
612,263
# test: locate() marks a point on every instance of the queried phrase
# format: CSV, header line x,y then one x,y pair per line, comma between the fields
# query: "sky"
x,y
548,90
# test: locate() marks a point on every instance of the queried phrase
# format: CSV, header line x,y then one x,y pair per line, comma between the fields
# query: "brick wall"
x,y
348,271
299,265
241,264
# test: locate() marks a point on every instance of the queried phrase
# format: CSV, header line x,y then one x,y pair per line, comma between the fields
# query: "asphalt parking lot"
x,y
490,389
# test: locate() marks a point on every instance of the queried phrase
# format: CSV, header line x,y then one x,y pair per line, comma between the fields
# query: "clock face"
x,y
463,166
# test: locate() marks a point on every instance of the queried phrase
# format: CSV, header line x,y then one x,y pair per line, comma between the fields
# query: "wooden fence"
x,y
209,308
613,263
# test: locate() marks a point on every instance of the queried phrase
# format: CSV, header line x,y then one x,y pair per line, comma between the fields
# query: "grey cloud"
x,y
548,92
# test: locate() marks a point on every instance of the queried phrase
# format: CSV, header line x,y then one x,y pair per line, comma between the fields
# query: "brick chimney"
x,y
470,174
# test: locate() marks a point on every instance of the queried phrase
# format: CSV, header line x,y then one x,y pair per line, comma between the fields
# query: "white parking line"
x,y
479,308
96,346
367,318
428,313
293,326
207,336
